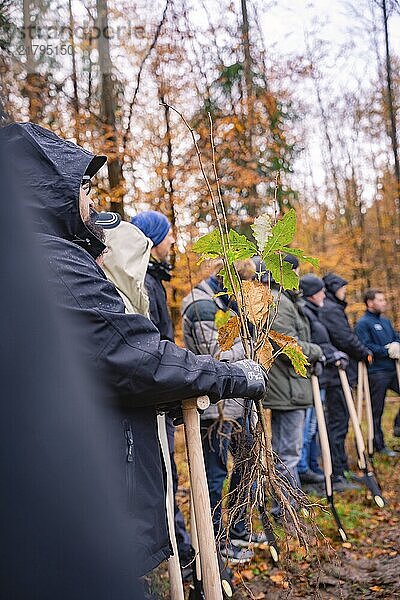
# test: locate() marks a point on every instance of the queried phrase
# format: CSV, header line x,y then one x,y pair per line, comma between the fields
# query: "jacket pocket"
x,y
129,463
299,395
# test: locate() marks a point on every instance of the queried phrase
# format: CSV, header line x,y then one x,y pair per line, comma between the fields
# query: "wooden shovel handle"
x,y
201,500
323,435
368,410
354,419
360,390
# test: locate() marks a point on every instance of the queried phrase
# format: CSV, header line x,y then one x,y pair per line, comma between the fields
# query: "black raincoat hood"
x,y
333,282
48,171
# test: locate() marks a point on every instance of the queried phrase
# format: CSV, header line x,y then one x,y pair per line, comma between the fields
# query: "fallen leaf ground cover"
x,y
366,566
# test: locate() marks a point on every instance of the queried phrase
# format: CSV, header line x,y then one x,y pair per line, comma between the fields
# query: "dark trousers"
x,y
216,443
337,416
181,535
379,383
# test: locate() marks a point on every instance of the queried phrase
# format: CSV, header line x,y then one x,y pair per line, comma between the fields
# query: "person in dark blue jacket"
x,y
378,334
137,371
158,229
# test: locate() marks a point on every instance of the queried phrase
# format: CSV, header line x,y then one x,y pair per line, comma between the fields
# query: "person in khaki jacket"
x,y
289,394
125,261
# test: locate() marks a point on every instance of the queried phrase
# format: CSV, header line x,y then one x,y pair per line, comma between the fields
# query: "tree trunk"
x,y
74,75
248,74
175,311
33,87
392,112
107,102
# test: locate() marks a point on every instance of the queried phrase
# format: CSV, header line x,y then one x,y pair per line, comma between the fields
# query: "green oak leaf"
x,y
284,275
240,247
301,256
297,358
282,234
221,318
291,348
209,245
226,280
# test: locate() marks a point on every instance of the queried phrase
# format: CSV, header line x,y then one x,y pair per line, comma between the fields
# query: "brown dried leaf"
x,y
279,579
247,574
257,300
228,333
281,339
264,355
293,351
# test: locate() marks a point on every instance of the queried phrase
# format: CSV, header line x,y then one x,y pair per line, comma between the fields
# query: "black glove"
x,y
341,360
257,379
318,367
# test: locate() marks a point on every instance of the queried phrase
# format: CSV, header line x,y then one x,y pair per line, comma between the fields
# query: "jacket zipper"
x,y
129,442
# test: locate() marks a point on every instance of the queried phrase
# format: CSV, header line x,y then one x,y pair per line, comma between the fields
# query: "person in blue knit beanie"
x,y
158,229
155,226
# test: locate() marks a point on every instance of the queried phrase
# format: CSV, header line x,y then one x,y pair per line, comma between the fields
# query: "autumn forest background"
x,y
304,96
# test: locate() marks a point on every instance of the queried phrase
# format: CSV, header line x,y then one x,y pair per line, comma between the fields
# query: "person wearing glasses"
x,y
138,373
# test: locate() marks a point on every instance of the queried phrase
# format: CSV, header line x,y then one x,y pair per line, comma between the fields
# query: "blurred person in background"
x,y
221,424
289,394
378,334
313,289
333,315
156,227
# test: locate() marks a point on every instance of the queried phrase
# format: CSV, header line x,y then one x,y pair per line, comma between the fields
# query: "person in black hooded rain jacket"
x,y
64,533
136,370
333,315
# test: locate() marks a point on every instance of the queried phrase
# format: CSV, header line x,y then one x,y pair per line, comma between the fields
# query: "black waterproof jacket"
x,y
333,316
136,370
159,315
320,336
64,532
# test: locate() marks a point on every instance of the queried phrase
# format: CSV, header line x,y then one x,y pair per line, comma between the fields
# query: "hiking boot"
x,y
396,431
234,554
311,477
388,452
246,538
340,484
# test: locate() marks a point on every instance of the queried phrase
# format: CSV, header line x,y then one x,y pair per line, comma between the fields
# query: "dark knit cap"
x,y
310,285
154,225
333,282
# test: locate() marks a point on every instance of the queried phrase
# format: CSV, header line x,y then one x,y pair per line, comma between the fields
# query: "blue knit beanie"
x,y
154,225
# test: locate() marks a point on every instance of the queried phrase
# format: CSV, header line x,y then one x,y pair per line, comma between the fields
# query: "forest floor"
x,y
366,566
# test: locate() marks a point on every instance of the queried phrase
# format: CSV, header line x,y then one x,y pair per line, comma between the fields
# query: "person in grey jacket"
x,y
289,394
220,423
